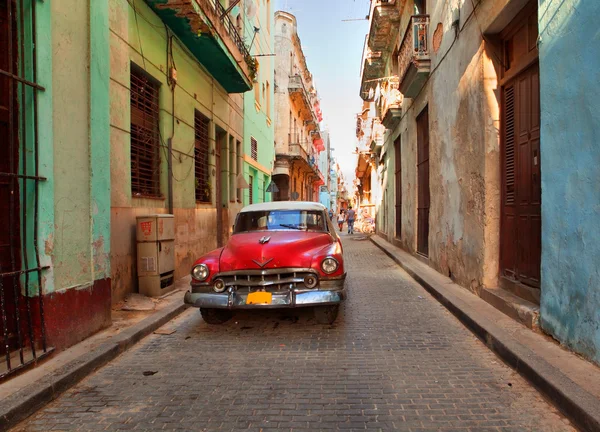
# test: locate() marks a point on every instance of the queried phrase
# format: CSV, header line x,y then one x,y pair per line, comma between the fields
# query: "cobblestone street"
x,y
395,359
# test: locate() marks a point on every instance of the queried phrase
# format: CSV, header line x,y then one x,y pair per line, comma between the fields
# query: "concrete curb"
x,y
27,401
578,405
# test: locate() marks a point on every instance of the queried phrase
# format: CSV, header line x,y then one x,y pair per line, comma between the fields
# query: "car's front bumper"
x,y
329,292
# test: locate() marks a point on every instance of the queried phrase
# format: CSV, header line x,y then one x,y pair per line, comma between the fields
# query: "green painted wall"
x,y
259,111
99,111
139,36
73,130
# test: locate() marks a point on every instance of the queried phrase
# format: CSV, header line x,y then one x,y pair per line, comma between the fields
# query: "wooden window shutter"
x,y
253,149
509,145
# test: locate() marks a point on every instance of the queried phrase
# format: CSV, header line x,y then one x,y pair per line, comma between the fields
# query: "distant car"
x,y
281,255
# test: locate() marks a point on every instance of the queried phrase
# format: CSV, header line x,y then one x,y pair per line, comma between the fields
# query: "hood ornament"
x,y
264,239
262,264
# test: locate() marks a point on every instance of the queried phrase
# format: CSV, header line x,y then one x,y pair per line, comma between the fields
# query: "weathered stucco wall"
x,y
570,160
80,244
462,97
195,224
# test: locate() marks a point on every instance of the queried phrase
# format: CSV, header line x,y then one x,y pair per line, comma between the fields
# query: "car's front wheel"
x,y
326,314
215,316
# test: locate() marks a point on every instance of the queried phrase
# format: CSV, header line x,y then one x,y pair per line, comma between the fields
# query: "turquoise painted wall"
x,y
259,102
570,161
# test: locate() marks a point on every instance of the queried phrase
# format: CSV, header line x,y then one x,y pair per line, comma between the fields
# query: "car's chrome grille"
x,y
274,281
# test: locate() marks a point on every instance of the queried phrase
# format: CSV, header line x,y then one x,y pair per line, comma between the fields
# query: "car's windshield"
x,y
292,220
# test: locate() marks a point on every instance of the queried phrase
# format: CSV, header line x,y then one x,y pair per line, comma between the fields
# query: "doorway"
x,y
423,183
398,186
520,253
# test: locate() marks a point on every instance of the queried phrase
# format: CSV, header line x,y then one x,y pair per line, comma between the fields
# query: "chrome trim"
x,y
254,272
235,300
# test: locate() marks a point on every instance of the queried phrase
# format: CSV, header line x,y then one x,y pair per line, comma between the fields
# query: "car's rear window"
x,y
292,220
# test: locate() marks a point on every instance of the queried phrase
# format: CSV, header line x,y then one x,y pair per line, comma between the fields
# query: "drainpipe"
x,y
172,83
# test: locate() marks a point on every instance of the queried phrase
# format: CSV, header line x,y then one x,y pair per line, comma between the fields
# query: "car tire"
x,y
326,314
215,316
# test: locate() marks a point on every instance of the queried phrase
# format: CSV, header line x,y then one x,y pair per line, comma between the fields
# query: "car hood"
x,y
284,249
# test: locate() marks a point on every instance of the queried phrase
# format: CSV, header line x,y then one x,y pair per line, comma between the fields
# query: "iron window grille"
x,y
254,149
22,321
145,135
201,152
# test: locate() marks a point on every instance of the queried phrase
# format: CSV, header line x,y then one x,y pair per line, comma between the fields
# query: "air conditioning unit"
x,y
155,254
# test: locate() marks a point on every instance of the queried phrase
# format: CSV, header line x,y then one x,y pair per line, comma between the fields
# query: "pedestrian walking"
x,y
330,214
350,217
340,220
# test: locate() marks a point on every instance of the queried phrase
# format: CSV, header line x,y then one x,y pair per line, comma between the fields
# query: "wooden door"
x,y
398,186
522,197
520,234
423,182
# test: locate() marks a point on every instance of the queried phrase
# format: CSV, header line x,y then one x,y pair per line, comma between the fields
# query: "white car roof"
x,y
284,205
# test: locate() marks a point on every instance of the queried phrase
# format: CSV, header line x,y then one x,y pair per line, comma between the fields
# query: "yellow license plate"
x,y
259,298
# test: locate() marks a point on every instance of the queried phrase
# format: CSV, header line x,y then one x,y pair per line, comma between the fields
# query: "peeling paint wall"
x,y
570,160
195,224
462,96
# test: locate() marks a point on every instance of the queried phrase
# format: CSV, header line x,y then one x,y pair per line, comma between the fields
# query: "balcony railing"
x,y
414,60
230,28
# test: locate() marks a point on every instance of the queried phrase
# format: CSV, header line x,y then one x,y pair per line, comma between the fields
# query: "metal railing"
x,y
415,45
21,281
230,27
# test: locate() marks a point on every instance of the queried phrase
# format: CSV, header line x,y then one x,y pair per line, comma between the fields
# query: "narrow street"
x,y
395,359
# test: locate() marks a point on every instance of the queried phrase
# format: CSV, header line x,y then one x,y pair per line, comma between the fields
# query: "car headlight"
x,y
329,265
200,272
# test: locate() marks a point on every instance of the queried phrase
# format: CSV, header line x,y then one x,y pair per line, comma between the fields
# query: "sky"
x,y
333,50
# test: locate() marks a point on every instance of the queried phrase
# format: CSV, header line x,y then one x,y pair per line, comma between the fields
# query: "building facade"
x,y
298,139
467,135
259,130
178,72
55,276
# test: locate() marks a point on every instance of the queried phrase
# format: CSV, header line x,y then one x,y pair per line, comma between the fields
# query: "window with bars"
x,y
145,134
201,151
250,190
21,167
253,149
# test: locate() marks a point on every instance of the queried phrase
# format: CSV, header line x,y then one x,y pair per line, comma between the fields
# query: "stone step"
x,y
520,310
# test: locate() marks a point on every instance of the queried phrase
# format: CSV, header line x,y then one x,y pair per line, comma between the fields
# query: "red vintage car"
x,y
281,255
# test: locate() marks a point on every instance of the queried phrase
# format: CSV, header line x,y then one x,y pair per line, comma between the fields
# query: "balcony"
x,y
414,62
302,99
308,162
212,38
389,107
384,24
